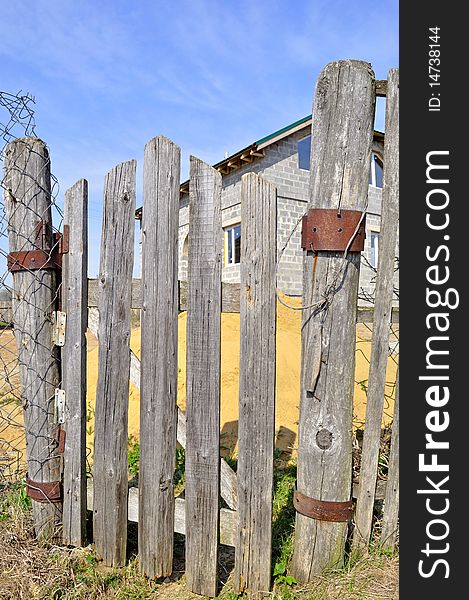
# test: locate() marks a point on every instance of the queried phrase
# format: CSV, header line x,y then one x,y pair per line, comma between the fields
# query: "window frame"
x,y
372,183
298,148
229,230
374,234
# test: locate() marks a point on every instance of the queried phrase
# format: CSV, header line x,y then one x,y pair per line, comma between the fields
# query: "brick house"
x,y
283,159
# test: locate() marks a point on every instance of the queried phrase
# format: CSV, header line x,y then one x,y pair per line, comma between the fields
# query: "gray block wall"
x,y
280,167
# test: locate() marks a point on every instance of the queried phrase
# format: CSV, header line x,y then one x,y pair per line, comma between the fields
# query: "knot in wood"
x,y
164,484
324,439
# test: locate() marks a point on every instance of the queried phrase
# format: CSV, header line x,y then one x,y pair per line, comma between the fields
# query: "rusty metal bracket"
x,y
338,512
33,260
331,229
38,259
40,491
61,440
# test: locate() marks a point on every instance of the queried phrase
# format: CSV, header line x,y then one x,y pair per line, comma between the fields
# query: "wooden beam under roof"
x,y
381,88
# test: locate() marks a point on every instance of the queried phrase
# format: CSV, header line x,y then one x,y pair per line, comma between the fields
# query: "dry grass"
x,y
373,577
29,570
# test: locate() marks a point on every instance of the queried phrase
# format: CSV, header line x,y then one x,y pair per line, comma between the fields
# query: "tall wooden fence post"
x,y
159,368
382,319
28,208
203,378
256,385
74,304
110,477
342,134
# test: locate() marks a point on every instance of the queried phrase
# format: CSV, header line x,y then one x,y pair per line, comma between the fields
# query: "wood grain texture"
x,y
228,518
112,392
228,479
74,304
203,378
382,316
159,362
389,531
343,115
27,202
256,386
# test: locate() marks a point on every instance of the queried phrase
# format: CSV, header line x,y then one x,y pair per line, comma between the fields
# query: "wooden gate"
x,y
343,118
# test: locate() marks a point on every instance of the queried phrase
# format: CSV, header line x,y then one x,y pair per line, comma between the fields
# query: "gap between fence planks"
x,y
228,479
340,155
75,295
159,362
380,336
28,204
203,378
256,385
112,392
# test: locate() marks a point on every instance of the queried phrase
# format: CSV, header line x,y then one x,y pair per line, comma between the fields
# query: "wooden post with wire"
x,y
33,262
340,163
75,298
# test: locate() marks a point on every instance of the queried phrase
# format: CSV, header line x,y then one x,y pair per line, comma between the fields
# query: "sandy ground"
x,y
288,378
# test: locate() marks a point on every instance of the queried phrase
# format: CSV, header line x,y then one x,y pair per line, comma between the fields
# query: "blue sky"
x,y
211,75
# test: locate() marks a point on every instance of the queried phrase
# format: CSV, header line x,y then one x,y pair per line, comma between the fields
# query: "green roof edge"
x,y
276,133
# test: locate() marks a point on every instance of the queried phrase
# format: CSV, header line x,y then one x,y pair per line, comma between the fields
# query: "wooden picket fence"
x,y
345,97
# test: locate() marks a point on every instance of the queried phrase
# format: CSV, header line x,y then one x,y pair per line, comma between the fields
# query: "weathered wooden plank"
x,y
27,204
159,362
256,385
6,313
112,392
228,518
383,303
203,378
75,294
381,88
228,479
391,500
380,491
366,315
340,155
230,299
93,293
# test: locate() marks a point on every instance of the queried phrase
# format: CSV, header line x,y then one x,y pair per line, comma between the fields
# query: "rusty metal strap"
x,y
61,435
331,229
322,510
38,259
32,260
41,491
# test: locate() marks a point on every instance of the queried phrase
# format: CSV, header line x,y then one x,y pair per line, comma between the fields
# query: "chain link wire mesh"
x,y
364,333
366,299
28,361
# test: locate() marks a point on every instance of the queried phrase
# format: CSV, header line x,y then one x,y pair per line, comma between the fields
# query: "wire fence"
x,y
28,294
